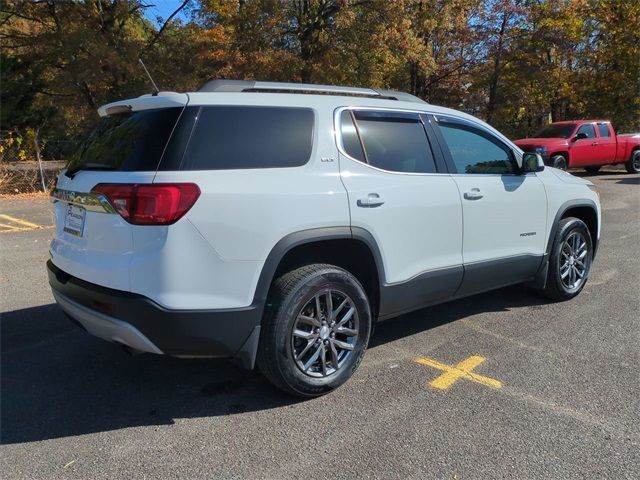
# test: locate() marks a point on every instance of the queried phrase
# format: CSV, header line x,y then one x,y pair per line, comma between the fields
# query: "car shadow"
x,y
629,181
600,173
59,381
415,322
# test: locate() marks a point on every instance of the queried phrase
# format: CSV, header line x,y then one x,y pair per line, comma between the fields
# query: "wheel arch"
x,y
353,249
564,153
586,211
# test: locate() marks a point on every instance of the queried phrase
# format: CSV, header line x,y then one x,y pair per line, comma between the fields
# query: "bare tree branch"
x,y
54,94
157,36
13,13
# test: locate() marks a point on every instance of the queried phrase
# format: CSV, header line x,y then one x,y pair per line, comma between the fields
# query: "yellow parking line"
x,y
20,229
18,221
10,228
23,229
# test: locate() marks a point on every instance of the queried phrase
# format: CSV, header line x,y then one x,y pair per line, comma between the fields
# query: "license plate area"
x,y
74,220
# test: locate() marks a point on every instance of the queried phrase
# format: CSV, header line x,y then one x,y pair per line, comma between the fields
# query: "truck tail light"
x,y
152,203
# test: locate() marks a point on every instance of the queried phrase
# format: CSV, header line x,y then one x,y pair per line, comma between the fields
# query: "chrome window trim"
x,y
338,136
483,175
95,202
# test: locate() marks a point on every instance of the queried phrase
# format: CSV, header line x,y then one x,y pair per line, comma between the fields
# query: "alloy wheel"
x,y
325,333
574,261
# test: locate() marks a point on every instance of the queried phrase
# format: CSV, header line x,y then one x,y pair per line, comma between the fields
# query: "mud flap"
x,y
246,356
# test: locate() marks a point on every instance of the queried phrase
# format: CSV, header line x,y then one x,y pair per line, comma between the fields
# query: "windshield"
x,y
131,141
563,130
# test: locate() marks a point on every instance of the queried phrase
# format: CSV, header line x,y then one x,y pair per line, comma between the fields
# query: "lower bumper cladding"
x,y
141,324
106,327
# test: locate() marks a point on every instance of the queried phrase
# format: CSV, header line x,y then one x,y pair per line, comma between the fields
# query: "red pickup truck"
x,y
587,144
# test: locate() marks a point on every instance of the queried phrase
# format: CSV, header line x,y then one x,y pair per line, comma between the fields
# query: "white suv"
x,y
275,223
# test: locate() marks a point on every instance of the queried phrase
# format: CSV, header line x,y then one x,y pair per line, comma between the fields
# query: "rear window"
x,y
127,141
240,137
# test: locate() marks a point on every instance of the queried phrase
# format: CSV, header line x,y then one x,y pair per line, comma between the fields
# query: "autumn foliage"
x,y
515,63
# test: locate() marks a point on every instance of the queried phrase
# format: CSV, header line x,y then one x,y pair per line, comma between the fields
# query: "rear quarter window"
x,y
241,137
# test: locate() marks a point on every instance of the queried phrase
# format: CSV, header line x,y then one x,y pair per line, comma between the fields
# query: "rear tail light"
x,y
152,203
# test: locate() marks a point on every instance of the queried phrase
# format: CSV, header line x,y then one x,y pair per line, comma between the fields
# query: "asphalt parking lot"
x,y
541,390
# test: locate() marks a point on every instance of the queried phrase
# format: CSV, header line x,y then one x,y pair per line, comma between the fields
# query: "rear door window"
x,y
241,137
392,141
603,130
132,141
350,137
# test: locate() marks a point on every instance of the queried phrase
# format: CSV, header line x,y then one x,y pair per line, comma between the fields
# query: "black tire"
x,y
557,287
592,169
633,165
290,294
559,161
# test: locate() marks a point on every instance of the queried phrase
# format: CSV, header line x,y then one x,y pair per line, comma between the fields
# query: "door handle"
x,y
370,201
594,144
473,194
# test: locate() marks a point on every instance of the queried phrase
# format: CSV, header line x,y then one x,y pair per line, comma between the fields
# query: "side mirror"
x,y
580,136
532,162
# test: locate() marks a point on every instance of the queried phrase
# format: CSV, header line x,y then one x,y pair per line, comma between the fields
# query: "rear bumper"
x,y
141,324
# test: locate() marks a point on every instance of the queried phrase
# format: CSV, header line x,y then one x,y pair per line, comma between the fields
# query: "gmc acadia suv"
x,y
275,223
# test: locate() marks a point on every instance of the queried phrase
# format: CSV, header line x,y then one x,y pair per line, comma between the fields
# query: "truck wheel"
x,y
592,169
316,330
570,260
558,161
633,165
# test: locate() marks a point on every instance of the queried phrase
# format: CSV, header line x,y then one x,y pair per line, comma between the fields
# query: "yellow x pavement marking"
x,y
461,370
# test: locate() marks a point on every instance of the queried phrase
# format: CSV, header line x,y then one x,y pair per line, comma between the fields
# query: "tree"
x,y
82,54
609,80
515,63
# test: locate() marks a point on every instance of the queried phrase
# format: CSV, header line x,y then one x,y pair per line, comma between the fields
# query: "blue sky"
x,y
163,8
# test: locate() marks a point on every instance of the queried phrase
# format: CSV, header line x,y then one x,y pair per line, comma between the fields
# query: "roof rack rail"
x,y
309,88
401,96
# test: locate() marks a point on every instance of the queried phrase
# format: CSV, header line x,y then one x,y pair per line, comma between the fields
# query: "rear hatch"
x,y
91,242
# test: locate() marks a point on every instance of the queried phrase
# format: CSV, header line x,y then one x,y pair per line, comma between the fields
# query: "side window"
x,y
474,151
350,139
603,130
236,137
588,129
392,141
